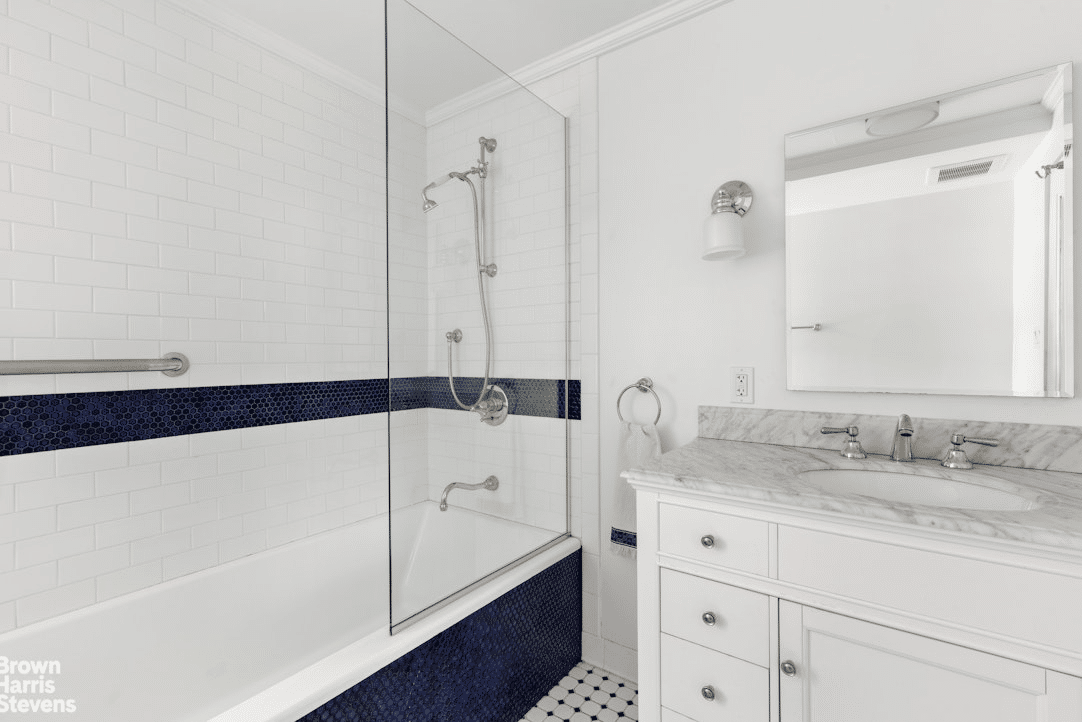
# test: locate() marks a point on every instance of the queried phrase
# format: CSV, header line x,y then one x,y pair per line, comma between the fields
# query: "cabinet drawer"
x,y
1026,604
667,715
741,625
741,689
733,541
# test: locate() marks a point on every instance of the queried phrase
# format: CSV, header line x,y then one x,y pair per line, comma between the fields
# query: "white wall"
x,y
167,185
710,101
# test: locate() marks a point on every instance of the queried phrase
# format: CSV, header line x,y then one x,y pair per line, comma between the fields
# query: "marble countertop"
x,y
769,473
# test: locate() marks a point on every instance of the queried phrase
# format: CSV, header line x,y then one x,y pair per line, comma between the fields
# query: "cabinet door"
x,y
853,671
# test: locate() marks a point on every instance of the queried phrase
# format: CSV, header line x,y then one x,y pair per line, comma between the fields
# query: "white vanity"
x,y
765,595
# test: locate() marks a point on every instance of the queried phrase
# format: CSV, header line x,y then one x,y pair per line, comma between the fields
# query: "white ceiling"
x,y
427,69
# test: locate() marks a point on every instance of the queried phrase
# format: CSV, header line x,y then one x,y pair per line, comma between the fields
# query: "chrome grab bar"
x,y
172,364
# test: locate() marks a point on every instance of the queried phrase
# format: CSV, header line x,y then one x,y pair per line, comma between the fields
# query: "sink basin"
x,y
917,489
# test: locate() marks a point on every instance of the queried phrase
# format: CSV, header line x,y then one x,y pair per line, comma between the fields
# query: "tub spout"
x,y
491,483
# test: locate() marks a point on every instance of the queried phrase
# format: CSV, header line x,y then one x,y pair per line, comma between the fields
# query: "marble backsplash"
x,y
1030,446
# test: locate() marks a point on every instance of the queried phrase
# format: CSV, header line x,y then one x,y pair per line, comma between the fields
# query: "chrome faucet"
x,y
902,449
491,483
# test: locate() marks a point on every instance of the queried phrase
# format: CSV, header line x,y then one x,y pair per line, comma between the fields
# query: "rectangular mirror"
x,y
929,246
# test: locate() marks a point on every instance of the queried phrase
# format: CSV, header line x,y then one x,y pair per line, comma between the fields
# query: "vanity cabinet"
x,y
749,611
848,670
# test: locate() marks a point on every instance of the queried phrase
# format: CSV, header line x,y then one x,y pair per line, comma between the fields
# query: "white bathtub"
x,y
267,637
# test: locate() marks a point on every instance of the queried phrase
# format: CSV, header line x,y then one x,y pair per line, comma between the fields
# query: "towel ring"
x,y
644,384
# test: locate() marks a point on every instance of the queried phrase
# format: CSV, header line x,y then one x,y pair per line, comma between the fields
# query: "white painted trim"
x,y
470,99
627,32
267,40
638,27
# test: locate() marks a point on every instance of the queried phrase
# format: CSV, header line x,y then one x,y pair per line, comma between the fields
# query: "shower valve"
x,y
489,269
455,336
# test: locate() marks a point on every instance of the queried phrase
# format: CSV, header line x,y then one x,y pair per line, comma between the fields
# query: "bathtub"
x,y
267,637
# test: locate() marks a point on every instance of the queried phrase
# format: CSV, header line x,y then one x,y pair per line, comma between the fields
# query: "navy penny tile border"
x,y
527,397
492,666
48,422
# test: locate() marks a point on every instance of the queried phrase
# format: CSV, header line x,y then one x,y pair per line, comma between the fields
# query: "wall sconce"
x,y
723,233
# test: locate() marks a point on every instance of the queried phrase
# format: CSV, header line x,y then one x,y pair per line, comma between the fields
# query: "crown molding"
x,y
267,40
627,32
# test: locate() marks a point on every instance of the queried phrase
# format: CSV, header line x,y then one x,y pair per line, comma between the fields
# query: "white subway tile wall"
x,y
83,525
170,186
167,186
526,239
526,453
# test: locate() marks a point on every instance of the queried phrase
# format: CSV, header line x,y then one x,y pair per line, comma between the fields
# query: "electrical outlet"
x,y
742,384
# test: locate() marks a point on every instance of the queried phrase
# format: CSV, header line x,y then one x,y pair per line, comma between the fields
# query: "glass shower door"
x,y
477,314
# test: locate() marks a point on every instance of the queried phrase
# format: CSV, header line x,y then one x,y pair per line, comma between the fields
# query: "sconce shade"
x,y
723,232
723,237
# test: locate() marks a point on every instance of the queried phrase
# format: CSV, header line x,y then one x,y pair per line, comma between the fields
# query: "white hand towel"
x,y
639,445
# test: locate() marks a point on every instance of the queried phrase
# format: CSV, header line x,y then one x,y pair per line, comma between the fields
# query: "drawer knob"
x,y
709,619
788,668
708,541
708,693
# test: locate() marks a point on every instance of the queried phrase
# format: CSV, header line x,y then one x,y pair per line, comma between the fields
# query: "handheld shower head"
x,y
429,204
439,181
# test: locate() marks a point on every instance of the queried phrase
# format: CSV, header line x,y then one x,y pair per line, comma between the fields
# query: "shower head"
x,y
429,204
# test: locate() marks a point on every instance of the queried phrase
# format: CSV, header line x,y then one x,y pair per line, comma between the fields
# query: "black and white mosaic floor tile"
x,y
586,694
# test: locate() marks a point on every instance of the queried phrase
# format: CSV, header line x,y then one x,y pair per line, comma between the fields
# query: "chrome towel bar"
x,y
644,385
172,364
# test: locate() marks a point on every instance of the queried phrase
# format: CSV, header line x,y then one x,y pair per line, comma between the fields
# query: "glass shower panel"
x,y
477,316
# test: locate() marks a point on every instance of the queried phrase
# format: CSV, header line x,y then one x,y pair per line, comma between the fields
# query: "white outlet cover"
x,y
734,395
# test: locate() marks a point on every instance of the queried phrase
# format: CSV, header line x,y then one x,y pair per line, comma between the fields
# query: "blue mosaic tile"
x,y
528,397
624,537
48,422
63,421
492,666
410,392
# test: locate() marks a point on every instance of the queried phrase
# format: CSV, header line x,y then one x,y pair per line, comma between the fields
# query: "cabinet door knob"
x,y
708,541
788,668
708,693
709,619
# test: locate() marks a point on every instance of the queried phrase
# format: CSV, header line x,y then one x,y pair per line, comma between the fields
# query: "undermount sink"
x,y
917,488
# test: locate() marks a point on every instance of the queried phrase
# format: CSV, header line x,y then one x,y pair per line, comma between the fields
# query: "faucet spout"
x,y
902,449
491,484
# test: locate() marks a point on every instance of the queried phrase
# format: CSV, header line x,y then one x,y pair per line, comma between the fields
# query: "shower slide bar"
x,y
172,364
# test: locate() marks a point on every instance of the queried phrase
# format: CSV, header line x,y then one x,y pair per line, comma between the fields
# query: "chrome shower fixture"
x,y
429,204
492,403
481,170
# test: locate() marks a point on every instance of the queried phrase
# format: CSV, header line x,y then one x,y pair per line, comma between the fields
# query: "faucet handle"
x,y
851,430
956,456
958,440
852,448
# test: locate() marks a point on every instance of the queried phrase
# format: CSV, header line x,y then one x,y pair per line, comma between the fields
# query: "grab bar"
x,y
172,364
